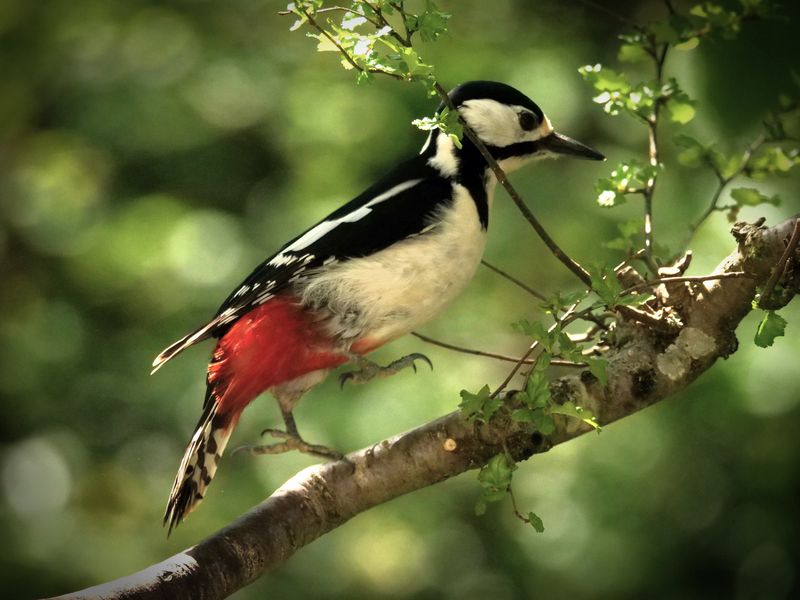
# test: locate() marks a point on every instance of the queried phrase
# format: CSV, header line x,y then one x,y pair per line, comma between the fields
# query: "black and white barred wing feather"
x,y
402,205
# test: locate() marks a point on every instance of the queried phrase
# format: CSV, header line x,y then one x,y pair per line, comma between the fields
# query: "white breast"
x,y
392,292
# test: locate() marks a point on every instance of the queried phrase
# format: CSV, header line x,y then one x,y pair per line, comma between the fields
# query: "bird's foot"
x,y
290,442
369,370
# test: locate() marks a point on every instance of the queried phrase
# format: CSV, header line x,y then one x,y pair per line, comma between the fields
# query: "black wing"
x,y
397,207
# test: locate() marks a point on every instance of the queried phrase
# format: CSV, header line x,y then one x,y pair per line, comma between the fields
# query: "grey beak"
x,y
561,144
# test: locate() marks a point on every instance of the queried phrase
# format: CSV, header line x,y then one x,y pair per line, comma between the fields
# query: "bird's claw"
x,y
416,356
290,442
345,377
369,370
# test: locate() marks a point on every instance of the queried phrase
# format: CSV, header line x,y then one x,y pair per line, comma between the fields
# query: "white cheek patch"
x,y
498,125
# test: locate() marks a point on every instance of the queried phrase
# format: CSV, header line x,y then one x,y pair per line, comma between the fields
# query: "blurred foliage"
x,y
152,152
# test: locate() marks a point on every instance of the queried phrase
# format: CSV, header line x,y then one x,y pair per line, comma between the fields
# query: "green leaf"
x,y
629,231
689,44
364,77
760,8
452,125
613,87
752,197
604,79
680,111
432,23
770,327
480,406
693,151
537,391
447,121
773,160
536,331
526,415
546,425
713,17
631,53
728,168
542,421
664,32
495,477
536,522
569,409
628,178
414,66
605,284
325,45
560,302
598,367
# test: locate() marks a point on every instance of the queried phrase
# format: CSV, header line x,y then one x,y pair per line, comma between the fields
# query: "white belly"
x,y
396,290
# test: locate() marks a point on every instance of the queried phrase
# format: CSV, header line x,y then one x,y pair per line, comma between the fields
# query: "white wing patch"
x,y
326,227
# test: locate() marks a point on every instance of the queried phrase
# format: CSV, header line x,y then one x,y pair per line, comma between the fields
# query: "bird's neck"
x,y
464,166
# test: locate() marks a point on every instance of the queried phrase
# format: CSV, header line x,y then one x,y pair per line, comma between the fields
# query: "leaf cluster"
x,y
374,37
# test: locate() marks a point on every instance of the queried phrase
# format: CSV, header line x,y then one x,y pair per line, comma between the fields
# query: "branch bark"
x,y
644,368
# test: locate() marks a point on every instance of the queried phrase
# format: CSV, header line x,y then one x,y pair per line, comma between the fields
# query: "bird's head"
x,y
512,126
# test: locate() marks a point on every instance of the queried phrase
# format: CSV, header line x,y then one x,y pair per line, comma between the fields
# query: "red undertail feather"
x,y
271,345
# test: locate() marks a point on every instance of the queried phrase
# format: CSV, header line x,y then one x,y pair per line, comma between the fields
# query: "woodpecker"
x,y
373,270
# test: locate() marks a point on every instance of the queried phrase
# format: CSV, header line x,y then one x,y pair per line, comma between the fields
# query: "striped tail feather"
x,y
174,349
199,463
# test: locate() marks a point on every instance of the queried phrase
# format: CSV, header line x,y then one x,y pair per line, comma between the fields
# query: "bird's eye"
x,y
527,121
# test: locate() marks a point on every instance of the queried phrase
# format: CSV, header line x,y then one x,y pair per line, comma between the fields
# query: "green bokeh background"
x,y
152,152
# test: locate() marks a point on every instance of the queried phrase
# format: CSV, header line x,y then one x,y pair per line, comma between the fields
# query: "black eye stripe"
x,y
527,121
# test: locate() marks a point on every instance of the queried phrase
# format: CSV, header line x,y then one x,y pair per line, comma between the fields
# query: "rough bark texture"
x,y
644,367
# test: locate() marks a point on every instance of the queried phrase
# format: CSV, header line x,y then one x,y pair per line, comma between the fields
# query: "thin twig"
x,y
565,319
398,6
653,321
517,514
515,281
650,187
723,183
781,266
379,13
688,279
504,357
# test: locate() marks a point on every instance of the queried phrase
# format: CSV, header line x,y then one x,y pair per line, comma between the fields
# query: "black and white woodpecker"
x,y
375,269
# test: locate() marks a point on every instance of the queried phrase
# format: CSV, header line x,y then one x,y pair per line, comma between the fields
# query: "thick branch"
x,y
644,368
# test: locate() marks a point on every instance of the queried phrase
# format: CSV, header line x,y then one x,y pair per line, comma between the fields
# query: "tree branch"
x,y
642,370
